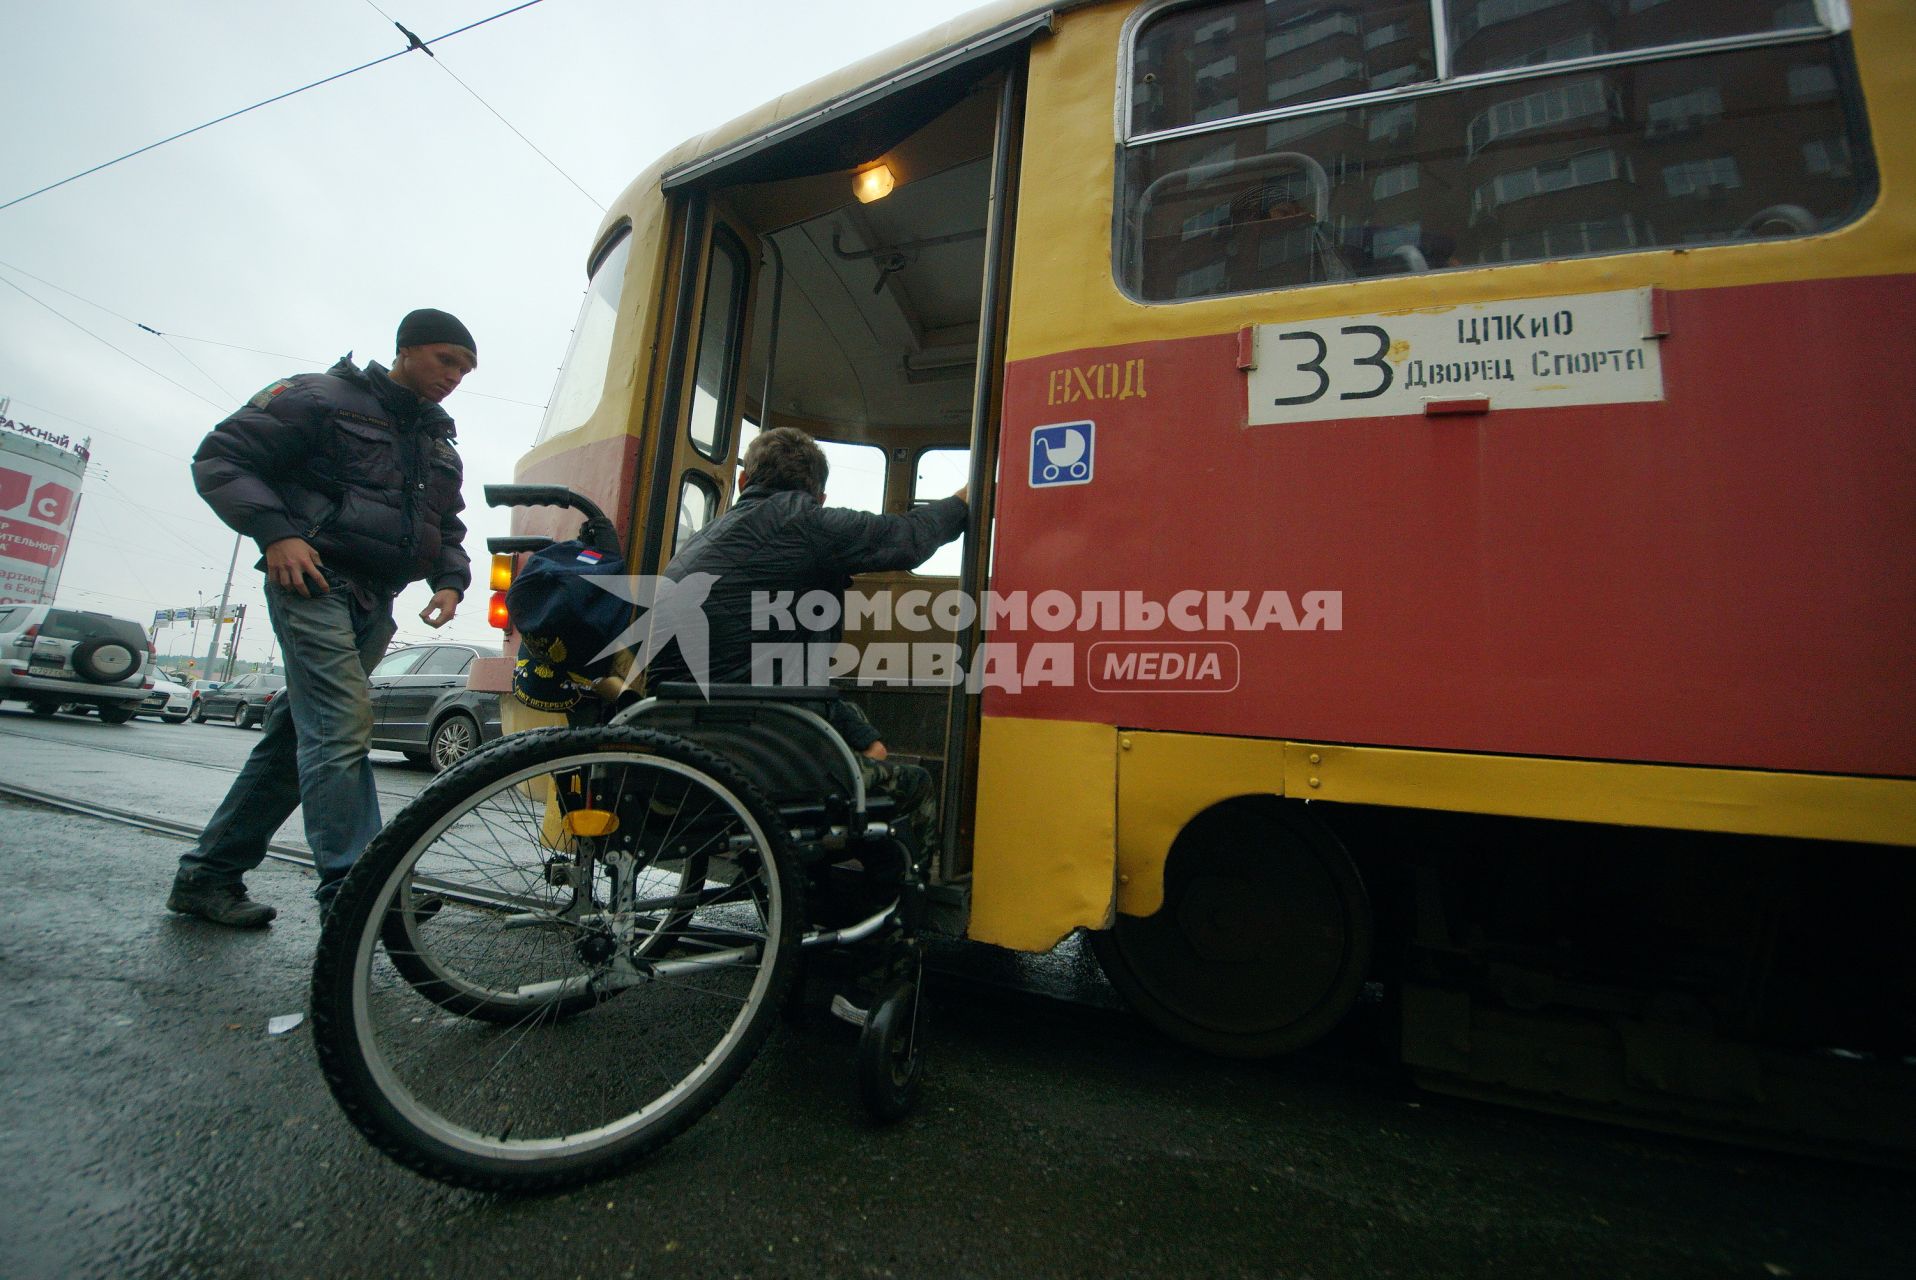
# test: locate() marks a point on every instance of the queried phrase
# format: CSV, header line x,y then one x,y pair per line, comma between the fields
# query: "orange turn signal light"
x,y
501,572
496,611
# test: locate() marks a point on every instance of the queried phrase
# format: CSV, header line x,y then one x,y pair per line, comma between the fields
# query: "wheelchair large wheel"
x,y
560,955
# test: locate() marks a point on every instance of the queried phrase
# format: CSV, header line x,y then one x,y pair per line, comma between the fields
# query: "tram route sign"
x,y
1530,353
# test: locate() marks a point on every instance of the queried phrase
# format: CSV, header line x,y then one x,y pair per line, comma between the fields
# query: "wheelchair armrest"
x,y
686,691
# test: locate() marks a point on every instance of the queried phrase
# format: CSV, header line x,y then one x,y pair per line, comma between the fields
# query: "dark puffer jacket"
x,y
352,462
785,541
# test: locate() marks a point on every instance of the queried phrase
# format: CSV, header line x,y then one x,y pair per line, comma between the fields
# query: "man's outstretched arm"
x,y
865,542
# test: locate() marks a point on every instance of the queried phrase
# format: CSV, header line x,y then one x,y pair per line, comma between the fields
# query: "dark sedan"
x,y
421,705
242,701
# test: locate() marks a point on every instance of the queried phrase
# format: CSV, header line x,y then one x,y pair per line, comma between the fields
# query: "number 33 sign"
x,y
1531,353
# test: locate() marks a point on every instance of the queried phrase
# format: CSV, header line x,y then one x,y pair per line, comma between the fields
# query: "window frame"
x,y
444,660
396,653
620,237
1831,20
693,478
884,468
913,499
724,241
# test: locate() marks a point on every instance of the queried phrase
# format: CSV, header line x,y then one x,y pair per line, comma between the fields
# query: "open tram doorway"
x,y
876,326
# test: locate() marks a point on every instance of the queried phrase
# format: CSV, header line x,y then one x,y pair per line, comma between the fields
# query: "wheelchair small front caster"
x,y
891,1052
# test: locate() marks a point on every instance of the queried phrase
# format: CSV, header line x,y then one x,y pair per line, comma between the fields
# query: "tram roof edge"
x,y
940,52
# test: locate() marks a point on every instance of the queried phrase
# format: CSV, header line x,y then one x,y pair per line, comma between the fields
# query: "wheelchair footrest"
x,y
845,1010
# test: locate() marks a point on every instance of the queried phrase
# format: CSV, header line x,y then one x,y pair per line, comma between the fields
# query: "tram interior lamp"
x,y
874,183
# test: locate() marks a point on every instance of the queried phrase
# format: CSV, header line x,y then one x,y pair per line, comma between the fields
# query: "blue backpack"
x,y
564,621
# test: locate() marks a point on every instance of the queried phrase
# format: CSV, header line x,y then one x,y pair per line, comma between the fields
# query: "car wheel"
x,y
104,661
118,715
239,716
198,713
452,741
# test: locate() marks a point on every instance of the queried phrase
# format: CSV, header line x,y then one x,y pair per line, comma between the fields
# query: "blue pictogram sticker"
x,y
1062,454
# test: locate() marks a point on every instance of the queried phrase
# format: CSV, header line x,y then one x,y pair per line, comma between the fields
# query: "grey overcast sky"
x,y
307,228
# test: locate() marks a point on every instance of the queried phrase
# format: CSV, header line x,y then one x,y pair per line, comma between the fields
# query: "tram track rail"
x,y
187,832
398,797
168,827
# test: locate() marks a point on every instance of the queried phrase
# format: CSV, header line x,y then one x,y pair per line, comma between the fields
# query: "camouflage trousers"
x,y
915,812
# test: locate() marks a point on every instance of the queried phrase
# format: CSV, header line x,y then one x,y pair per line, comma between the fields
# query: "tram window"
x,y
582,376
747,432
940,473
1494,35
1662,148
855,475
1193,63
698,502
719,342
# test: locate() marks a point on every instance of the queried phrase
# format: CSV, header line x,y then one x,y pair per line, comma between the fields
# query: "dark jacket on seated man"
x,y
779,537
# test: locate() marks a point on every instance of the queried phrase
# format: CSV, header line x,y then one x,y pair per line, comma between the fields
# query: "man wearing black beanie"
x,y
349,482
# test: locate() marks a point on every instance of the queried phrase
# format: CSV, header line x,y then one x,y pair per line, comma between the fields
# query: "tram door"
x,y
861,303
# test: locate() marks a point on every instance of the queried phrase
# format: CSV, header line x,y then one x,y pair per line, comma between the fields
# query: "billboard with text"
x,y
39,495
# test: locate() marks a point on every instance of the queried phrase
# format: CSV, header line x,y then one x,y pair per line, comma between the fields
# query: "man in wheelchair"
x,y
779,536
625,902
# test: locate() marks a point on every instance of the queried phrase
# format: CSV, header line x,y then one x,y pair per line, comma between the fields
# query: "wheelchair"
x,y
572,943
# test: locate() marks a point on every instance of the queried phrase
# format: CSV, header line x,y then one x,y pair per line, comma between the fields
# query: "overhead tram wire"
x,y
168,338
424,47
364,66
122,350
321,364
101,306
172,454
230,397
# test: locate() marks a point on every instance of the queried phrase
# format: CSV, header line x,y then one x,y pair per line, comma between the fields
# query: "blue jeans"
x,y
312,753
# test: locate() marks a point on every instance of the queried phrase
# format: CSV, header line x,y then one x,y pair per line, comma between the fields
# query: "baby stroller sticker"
x,y
1062,454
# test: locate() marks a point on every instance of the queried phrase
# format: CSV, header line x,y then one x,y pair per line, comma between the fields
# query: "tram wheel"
x,y
1263,940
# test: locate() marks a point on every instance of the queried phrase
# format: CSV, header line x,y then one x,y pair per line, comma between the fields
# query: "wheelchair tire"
x,y
891,1053
485,1024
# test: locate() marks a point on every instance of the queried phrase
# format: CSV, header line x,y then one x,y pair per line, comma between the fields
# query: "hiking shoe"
x,y
225,904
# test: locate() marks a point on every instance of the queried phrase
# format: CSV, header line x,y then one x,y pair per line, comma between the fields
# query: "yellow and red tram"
x,y
1443,488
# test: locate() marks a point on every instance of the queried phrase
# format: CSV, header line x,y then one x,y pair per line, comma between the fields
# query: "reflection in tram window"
x,y
1698,146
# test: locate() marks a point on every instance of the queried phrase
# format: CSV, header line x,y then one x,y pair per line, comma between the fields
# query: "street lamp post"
x,y
219,619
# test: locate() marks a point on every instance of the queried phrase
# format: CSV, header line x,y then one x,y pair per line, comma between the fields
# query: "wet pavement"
x,y
149,1125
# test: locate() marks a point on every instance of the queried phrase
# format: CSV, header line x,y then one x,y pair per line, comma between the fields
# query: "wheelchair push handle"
x,y
597,530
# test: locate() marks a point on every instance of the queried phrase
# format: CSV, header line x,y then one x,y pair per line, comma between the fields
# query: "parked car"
x,y
200,689
169,700
242,701
421,705
52,657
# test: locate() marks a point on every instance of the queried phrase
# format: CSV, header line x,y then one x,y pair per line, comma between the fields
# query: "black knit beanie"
x,y
427,325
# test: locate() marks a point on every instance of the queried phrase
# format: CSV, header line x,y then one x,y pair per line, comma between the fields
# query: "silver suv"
x,y
50,657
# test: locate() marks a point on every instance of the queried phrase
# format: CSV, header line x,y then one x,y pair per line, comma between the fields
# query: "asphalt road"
x,y
149,1125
